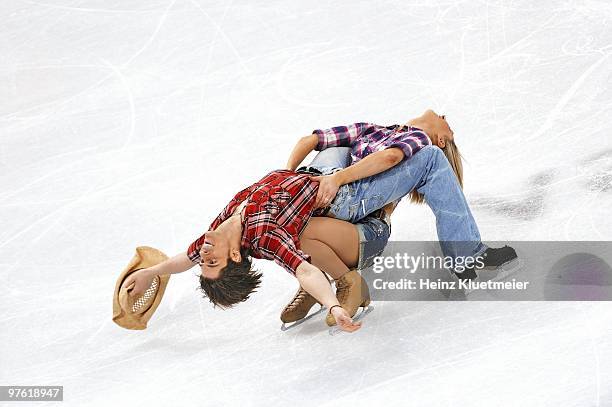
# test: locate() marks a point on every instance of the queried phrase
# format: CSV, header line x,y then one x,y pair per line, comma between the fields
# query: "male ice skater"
x,y
265,219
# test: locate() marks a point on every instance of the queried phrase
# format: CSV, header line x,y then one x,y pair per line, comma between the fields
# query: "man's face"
x,y
214,254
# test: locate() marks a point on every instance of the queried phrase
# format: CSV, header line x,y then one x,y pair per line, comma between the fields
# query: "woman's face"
x,y
442,131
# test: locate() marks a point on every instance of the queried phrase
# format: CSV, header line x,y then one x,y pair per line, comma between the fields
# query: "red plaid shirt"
x,y
277,211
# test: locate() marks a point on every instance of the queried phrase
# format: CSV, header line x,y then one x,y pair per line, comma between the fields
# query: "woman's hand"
x,y
141,281
344,321
328,188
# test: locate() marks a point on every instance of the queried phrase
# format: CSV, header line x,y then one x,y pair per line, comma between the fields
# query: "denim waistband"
x,y
309,170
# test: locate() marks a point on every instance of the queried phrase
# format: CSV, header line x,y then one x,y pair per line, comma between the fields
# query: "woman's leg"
x,y
332,244
431,174
333,157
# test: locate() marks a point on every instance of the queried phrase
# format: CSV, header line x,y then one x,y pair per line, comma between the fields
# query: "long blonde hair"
x,y
454,157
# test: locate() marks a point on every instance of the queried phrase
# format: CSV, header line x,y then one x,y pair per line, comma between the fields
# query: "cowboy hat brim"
x,y
134,313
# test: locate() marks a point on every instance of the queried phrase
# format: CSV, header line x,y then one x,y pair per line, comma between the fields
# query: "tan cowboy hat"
x,y
134,312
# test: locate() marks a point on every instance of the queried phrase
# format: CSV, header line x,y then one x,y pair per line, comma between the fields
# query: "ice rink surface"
x,y
128,123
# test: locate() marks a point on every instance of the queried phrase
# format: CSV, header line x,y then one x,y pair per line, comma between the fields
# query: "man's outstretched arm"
x,y
173,265
142,278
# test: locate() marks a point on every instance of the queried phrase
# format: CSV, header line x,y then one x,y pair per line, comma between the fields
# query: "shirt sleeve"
x,y
279,246
339,136
410,143
193,251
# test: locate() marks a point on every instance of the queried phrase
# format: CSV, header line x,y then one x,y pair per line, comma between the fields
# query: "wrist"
x,y
335,308
151,271
339,178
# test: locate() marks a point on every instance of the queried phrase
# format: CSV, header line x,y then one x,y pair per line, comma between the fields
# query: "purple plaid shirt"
x,y
367,138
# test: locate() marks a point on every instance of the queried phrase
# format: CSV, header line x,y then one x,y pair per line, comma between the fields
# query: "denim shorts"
x,y
373,237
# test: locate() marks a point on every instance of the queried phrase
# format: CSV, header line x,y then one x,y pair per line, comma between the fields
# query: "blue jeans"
x,y
373,232
430,173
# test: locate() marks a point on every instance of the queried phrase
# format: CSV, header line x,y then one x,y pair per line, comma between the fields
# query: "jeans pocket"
x,y
364,207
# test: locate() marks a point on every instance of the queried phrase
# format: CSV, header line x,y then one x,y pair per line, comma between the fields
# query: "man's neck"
x,y
234,227
231,228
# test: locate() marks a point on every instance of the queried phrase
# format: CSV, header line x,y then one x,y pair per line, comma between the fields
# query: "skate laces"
x,y
297,300
342,288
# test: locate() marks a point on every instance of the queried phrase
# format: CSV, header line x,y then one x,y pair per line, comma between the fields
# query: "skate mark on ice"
x,y
597,168
528,205
601,181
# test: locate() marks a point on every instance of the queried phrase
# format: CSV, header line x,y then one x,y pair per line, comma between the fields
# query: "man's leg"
x,y
335,247
358,248
319,231
332,244
430,173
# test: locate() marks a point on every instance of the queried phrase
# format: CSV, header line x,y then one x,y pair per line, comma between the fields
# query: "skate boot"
x,y
492,258
352,292
298,307
495,257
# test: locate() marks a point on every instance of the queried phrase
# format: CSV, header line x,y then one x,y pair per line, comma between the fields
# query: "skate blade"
x,y
334,330
286,327
504,271
508,269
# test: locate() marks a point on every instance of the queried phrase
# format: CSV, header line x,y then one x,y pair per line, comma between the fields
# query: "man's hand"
x,y
328,188
344,321
141,281
314,282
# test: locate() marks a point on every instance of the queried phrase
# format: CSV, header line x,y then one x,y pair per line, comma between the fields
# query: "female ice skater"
x,y
266,219
424,162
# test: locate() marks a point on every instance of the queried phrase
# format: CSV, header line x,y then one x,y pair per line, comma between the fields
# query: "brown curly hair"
x,y
237,281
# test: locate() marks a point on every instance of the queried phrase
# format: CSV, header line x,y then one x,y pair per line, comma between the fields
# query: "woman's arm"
x,y
373,164
303,147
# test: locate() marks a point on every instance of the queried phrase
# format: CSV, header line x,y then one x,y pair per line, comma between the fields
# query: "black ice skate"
x,y
496,257
493,258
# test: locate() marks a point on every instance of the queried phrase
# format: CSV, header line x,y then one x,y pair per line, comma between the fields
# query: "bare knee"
x,y
312,229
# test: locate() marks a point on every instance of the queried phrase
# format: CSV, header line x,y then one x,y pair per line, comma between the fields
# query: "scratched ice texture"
x,y
127,123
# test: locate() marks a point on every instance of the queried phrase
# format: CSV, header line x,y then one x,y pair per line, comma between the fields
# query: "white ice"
x,y
127,123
